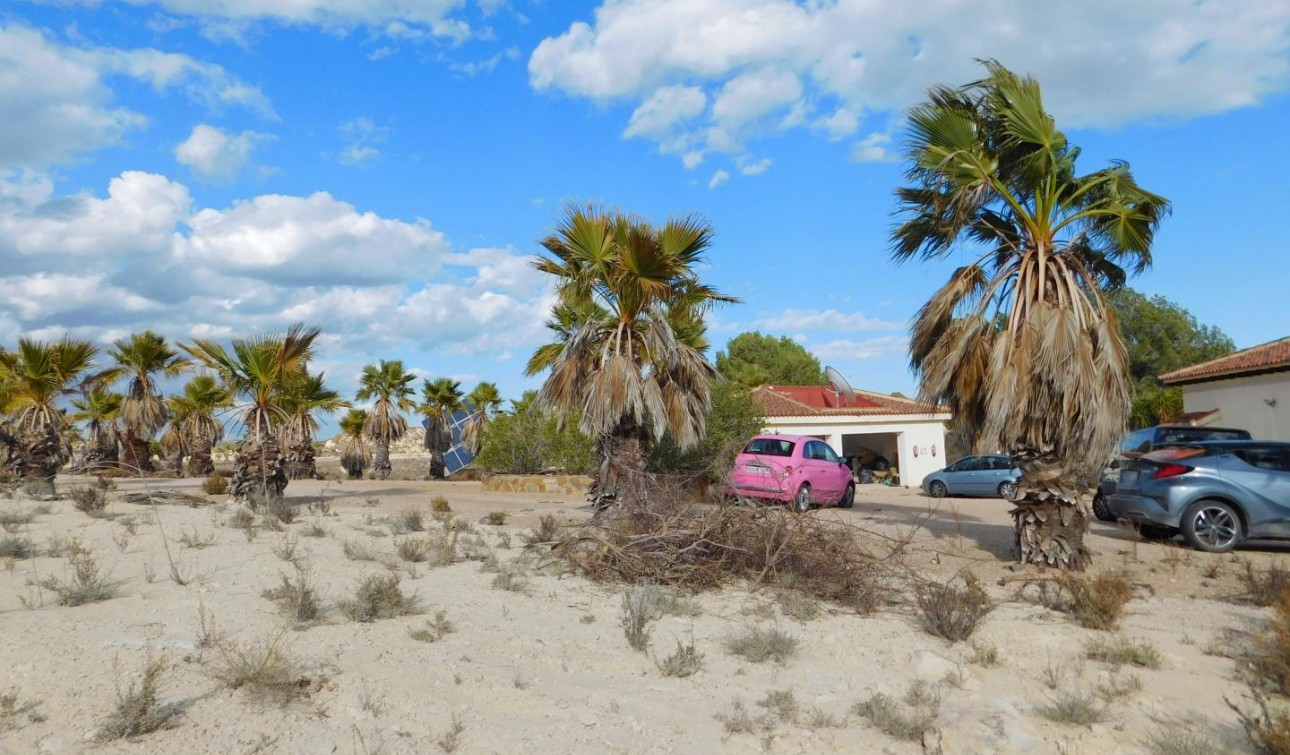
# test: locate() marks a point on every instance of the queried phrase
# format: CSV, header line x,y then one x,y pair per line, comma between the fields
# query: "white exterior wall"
x,y
923,432
1242,403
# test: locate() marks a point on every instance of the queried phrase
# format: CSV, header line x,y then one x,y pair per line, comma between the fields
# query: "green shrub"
x,y
530,441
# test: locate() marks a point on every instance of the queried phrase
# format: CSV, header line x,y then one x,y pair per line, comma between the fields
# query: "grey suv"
x,y
1145,441
1215,493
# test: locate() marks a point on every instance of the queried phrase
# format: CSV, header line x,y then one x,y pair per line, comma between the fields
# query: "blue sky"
x,y
384,168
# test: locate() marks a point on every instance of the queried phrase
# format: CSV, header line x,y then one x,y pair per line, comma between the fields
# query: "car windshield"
x,y
769,447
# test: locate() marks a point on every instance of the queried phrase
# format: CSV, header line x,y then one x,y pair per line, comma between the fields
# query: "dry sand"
x,y
548,670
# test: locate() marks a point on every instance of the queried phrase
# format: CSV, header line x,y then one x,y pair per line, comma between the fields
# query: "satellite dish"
x,y
840,383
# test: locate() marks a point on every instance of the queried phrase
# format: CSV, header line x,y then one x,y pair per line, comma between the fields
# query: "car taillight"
x,y
1170,470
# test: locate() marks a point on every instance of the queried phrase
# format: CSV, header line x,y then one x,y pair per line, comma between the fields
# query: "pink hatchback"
x,y
792,468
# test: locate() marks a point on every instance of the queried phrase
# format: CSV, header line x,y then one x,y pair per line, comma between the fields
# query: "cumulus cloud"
x,y
666,107
762,65
55,103
871,348
216,154
825,319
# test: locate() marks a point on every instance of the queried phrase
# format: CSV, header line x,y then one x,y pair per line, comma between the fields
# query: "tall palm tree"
x,y
193,411
441,399
485,402
1021,342
34,378
258,369
143,412
629,326
390,384
100,410
302,400
355,456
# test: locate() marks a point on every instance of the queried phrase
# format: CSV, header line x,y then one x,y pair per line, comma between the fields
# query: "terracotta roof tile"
x,y
809,401
1267,357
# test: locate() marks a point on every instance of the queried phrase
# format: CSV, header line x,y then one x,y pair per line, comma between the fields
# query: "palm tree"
x,y
258,369
100,410
143,412
441,399
485,402
629,326
388,383
173,444
34,378
193,411
355,456
1021,342
302,400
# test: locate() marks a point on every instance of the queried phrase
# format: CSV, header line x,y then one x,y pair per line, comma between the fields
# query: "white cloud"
x,y
824,319
874,148
718,178
666,107
215,154
751,167
363,135
358,155
872,348
755,58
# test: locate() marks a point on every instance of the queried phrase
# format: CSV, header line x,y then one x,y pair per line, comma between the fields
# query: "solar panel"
x,y
457,456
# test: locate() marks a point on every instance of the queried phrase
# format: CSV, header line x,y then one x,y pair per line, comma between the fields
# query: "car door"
x,y
1263,474
963,480
839,475
818,471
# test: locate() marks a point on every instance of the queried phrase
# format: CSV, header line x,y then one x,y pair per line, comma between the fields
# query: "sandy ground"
x,y
548,670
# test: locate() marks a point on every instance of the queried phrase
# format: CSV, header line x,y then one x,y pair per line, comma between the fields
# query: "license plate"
x,y
757,468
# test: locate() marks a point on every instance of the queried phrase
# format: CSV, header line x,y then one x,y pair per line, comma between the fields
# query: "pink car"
x,y
792,468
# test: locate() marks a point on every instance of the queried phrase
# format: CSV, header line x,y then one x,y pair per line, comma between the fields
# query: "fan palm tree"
x,y
355,456
143,412
34,378
629,349
173,444
100,410
485,402
302,400
193,411
258,370
390,384
1021,342
441,399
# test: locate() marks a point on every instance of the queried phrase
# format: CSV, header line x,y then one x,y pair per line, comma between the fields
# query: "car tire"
x,y
1212,526
1007,490
937,489
802,500
1100,509
848,497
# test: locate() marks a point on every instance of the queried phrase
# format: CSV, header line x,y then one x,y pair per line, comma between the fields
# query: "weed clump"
x,y
11,520
215,485
1122,651
379,597
358,551
686,661
296,599
137,710
267,668
799,607
1073,706
435,629
1094,602
953,612
1267,659
16,547
1265,588
1268,731
642,605
86,584
760,645
439,505
88,500
407,520
911,721
496,518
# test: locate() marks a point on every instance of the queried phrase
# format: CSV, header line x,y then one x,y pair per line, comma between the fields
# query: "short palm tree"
x,y
1021,342
194,412
143,412
100,410
173,444
258,370
389,383
303,399
485,402
355,456
441,399
35,377
629,350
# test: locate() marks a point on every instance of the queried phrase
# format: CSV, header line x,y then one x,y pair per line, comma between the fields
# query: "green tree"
x,y
390,384
1021,341
441,399
258,370
355,456
530,440
194,412
752,359
32,379
100,410
632,366
140,358
485,403
303,399
733,419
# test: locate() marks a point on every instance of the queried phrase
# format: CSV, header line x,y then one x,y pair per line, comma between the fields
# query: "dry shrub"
x,y
296,599
1268,731
760,645
546,533
1073,706
642,605
686,661
1094,602
91,501
1265,587
85,583
215,485
953,612
912,721
705,548
16,547
1122,651
379,598
1268,656
137,710
439,505
267,668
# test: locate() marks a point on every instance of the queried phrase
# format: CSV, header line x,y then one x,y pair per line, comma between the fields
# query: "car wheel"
x,y
1156,532
848,497
1100,509
1008,490
1212,526
802,501
937,489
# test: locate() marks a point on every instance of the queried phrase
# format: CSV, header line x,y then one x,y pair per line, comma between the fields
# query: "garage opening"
x,y
871,452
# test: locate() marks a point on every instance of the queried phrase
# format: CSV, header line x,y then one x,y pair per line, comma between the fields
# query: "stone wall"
x,y
537,483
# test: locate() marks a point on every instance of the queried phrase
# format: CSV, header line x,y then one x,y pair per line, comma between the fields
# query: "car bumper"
x,y
759,491
1142,508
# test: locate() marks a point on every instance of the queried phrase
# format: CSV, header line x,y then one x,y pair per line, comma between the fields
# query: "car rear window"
x,y
1277,459
1193,434
769,447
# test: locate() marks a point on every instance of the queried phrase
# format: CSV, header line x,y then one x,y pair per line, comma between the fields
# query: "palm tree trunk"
x,y
438,468
200,463
174,462
300,462
40,454
100,453
258,478
381,460
137,455
1050,521
622,479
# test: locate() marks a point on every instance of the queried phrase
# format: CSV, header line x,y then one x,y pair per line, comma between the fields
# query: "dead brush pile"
x,y
699,548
